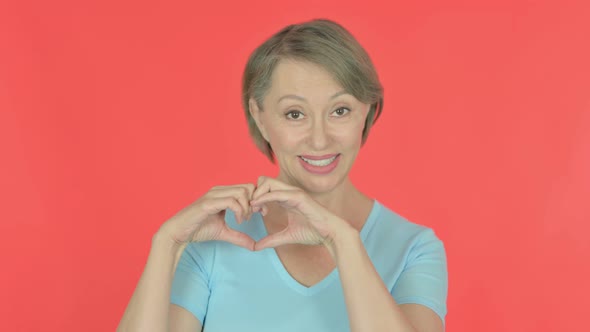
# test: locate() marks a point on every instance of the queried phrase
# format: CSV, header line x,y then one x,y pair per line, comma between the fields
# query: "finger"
x,y
267,184
250,192
262,187
237,238
244,195
212,206
221,188
232,204
243,199
288,198
264,210
274,240
241,193
217,192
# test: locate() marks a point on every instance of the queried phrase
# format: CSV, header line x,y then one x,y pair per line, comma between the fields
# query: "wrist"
x,y
162,241
345,236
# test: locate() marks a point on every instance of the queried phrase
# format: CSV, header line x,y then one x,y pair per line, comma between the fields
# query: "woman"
x,y
305,251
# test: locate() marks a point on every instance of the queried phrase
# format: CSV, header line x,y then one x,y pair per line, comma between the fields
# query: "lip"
x,y
326,156
320,170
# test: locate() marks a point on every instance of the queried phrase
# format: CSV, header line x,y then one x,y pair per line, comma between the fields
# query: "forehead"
x,y
302,78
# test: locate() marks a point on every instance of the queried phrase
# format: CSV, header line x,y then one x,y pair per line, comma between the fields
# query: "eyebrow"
x,y
303,99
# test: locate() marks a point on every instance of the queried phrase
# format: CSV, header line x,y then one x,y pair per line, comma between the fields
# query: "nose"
x,y
318,137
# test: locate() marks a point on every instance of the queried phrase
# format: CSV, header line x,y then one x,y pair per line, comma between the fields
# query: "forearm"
x,y
369,304
148,308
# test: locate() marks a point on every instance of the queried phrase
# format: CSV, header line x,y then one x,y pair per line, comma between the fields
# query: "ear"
x,y
256,114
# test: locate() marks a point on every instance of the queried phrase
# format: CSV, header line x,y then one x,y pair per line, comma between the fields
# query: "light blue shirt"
x,y
229,288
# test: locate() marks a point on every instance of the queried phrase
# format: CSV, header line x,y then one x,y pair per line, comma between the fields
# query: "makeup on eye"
x,y
338,112
293,115
343,110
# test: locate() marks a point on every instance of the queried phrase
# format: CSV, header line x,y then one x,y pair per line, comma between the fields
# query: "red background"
x,y
114,115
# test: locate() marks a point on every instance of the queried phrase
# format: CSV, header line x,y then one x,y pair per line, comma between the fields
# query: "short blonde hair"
x,y
322,42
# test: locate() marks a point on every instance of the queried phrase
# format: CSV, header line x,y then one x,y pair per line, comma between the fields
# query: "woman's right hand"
x,y
204,219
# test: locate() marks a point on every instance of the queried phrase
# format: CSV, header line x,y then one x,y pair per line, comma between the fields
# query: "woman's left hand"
x,y
308,222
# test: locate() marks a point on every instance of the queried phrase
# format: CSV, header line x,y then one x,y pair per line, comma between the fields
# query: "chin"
x,y
321,184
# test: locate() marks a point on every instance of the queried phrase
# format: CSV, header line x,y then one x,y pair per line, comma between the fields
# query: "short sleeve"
x,y
190,286
424,279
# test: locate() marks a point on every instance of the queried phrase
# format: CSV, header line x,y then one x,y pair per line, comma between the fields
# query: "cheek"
x,y
350,140
349,134
283,139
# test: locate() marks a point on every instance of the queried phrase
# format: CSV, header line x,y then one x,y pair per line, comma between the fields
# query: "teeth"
x,y
323,162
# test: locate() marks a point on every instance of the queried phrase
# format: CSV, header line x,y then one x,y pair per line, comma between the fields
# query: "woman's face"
x,y
313,126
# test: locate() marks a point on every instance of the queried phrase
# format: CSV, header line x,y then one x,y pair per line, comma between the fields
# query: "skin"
x,y
324,209
317,125
313,220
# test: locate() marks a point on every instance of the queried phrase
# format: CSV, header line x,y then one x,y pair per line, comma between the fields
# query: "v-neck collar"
x,y
327,280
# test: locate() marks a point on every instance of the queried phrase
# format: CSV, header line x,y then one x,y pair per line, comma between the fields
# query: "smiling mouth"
x,y
320,162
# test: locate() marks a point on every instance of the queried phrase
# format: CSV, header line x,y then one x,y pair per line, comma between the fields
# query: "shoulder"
x,y
394,242
411,260
391,227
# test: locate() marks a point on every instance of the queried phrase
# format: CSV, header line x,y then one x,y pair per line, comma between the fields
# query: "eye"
x,y
294,115
342,111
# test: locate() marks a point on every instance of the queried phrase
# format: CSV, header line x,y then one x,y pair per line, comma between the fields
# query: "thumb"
x,y
274,240
237,238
